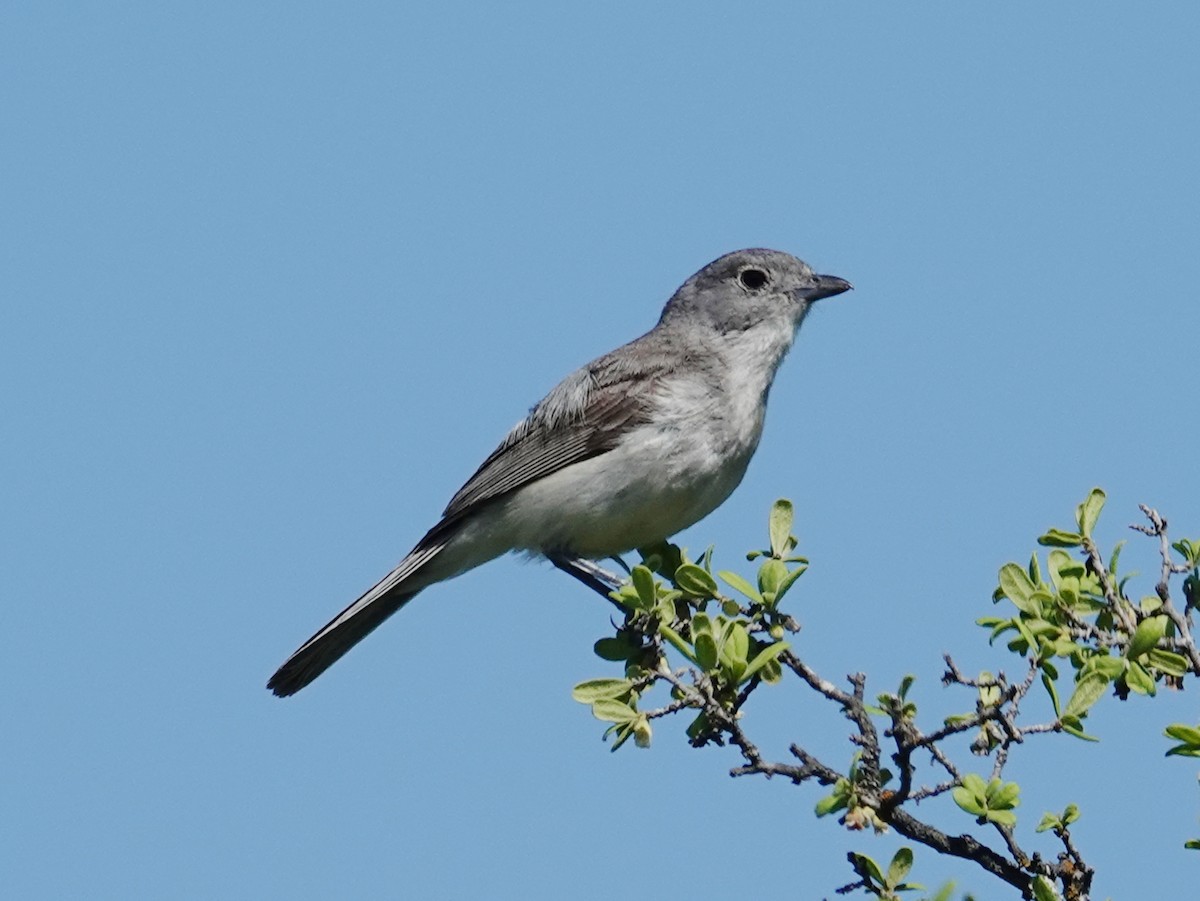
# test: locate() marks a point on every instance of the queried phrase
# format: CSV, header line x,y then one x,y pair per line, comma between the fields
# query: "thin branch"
x,y
940,789
1014,849
1008,719
809,675
1119,606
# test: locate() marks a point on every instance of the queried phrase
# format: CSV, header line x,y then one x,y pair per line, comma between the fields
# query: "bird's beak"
x,y
824,286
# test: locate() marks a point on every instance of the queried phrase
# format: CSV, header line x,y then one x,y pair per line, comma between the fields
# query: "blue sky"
x,y
278,276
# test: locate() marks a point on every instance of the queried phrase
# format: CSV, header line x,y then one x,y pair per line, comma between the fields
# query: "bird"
x,y
623,453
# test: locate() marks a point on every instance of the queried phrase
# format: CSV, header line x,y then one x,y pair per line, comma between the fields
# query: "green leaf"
x,y
1070,595
706,651
770,576
1023,628
1189,550
868,868
1147,635
662,558
1059,538
626,596
763,657
1168,662
697,727
643,582
1183,751
595,689
677,642
1002,817
1070,815
734,650
1087,692
1106,665
737,583
1192,844
737,642
1182,732
1015,584
1139,680
1088,512
622,732
967,801
1064,647
1053,692
1060,563
829,804
900,866
1116,556
1072,726
780,528
611,711
997,625
971,795
665,611
696,581
1003,795
787,583
1043,889
772,672
1048,821
1035,571
989,691
613,649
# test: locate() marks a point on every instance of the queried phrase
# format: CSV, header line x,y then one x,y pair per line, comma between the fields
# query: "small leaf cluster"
x,y
847,795
1083,615
1058,822
988,802
777,573
732,650
615,701
1188,738
885,885
897,706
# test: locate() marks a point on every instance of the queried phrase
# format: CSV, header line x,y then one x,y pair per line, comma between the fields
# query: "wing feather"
x,y
583,417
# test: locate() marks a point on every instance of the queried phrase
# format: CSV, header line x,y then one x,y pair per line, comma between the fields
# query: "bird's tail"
x,y
353,624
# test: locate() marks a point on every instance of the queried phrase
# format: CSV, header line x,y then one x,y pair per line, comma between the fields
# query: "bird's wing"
x,y
584,416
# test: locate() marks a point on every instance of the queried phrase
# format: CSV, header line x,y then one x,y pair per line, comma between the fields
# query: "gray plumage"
x,y
624,452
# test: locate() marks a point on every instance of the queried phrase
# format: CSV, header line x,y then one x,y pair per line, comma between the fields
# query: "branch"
x,y
964,846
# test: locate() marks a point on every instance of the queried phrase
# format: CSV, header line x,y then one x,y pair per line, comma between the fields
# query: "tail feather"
x,y
351,626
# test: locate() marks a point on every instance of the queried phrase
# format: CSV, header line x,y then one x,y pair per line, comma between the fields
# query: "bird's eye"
x,y
752,278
